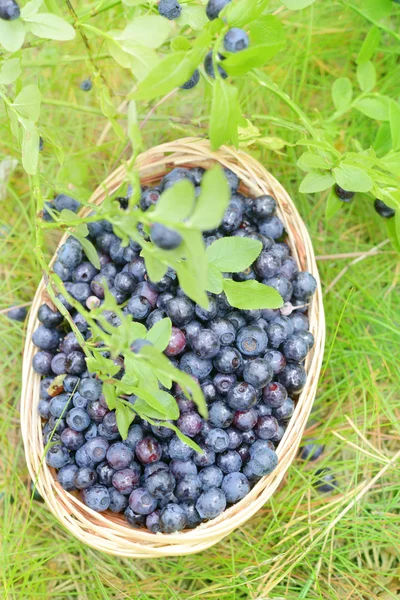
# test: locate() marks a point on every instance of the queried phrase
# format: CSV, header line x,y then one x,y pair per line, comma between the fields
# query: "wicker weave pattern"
x,y
109,532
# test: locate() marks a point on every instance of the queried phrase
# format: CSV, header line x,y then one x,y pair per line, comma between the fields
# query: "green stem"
x,y
376,23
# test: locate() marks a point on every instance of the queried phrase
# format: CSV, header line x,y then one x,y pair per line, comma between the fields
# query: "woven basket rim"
x,y
108,532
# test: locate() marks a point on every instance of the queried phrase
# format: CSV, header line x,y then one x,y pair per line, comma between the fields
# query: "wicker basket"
x,y
109,532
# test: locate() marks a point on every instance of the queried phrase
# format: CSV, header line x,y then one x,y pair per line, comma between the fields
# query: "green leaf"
x,y
155,268
252,58
12,34
212,201
249,295
374,107
133,127
30,9
316,182
394,119
309,161
176,203
352,178
169,404
267,29
376,9
110,395
366,76
116,51
160,334
124,416
391,162
146,411
243,12
46,25
225,115
180,43
184,438
27,103
196,259
333,204
189,284
90,251
10,71
233,254
30,147
342,93
171,72
194,16
369,45
149,30
200,47
215,280
142,59
297,4
392,234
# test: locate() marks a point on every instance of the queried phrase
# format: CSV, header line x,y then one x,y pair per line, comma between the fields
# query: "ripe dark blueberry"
x,y
63,272
46,389
59,405
228,360
344,195
196,366
80,320
106,434
164,237
137,268
251,340
174,176
229,461
119,456
18,313
96,449
236,318
148,450
160,484
235,40
249,437
182,468
257,372
96,411
45,338
276,334
188,489
217,440
311,450
72,439
44,409
70,343
304,285
206,344
281,284
293,377
190,423
284,412
235,487
299,321
171,9
48,317
191,330
56,424
267,265
105,473
66,476
289,268
233,216
235,438
90,389
242,396
260,445
243,452
110,422
260,464
220,415
211,503
84,478
192,82
135,435
98,283
162,433
138,307
149,198
177,342
9,10
244,420
295,348
205,459
209,391
179,450
245,275
118,502
266,428
41,362
209,67
133,518
121,254
57,456
383,209
191,514
142,502
172,518
224,382
206,314
326,481
153,521
86,85
70,253
105,240
185,405
274,394
97,498
211,477
75,363
263,207
282,250
154,317
214,7
62,202
180,311
308,337
271,227
125,283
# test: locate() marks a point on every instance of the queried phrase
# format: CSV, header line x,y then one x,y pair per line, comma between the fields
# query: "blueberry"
x,y
46,391
284,412
182,468
180,311
274,394
235,487
176,343
154,317
110,422
165,238
267,264
97,498
206,314
344,195
224,382
293,377
229,461
276,334
97,449
105,241
103,432
9,10
133,518
96,411
72,439
289,268
299,322
125,480
62,202
179,450
210,477
118,502
204,459
135,435
85,477
281,284
172,518
63,272
174,176
209,391
90,388
41,362
308,337
75,363
263,207
251,340
235,438
149,198
311,450
162,433
105,473
57,456
99,283
194,365
266,428
228,360
242,396
244,420
260,445
191,330
190,423
138,307
148,450
245,275
171,9
236,318
257,372
249,437
271,227
70,253
188,489
160,484
142,502
295,348
44,408
211,503
214,7
46,338
233,216
217,440
153,521
243,452
192,82
81,322
125,283
383,209
304,285
59,405
137,268
121,254
263,462
48,317
235,40
326,482
191,514
66,476
220,415
209,67
206,344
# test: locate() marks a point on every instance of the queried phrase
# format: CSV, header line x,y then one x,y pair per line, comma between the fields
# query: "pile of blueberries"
x,y
249,364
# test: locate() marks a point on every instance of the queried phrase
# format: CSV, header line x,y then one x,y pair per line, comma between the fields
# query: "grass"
x,y
301,545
